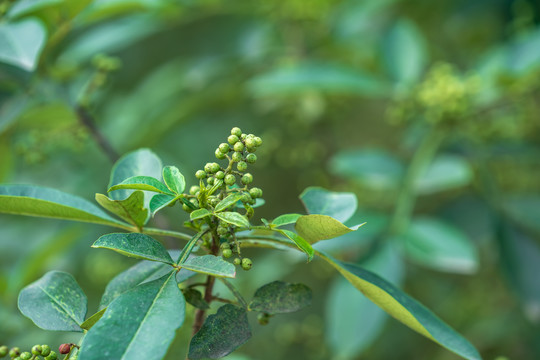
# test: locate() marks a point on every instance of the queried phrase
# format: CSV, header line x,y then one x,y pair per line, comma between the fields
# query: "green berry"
x,y
246,198
14,352
258,141
3,350
239,146
220,155
225,245
195,202
237,156
194,190
247,263
227,253
52,356
200,174
186,208
224,148
25,355
233,139
236,131
250,142
230,179
220,174
210,181
211,168
45,350
263,318
17,358
243,136
222,231
237,261
251,158
213,201
241,166
255,192
36,350
247,179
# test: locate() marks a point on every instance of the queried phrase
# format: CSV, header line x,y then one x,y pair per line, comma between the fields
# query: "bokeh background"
x,y
427,110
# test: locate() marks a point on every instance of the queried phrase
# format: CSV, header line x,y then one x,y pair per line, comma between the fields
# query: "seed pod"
x,y
227,253
64,348
237,156
219,155
25,356
230,179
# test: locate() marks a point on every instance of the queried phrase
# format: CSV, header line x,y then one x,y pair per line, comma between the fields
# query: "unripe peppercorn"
x,y
251,158
230,179
237,156
250,142
227,253
220,174
246,198
186,208
258,141
45,350
14,352
219,155
243,136
3,350
255,192
52,356
64,348
241,166
210,181
247,263
36,350
200,174
225,245
222,231
17,358
237,261
213,201
194,190
247,179
224,148
25,356
233,139
236,131
239,146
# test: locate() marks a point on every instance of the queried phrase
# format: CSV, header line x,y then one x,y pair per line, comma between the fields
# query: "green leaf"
x,y
138,325
299,241
404,308
439,246
131,209
221,334
228,202
446,172
139,246
14,51
285,219
142,183
339,205
523,209
54,302
279,297
159,201
211,265
195,298
199,214
92,320
174,179
40,201
234,218
314,228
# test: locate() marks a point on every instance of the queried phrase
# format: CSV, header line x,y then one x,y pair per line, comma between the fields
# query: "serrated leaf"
x,y
210,265
146,183
138,325
195,298
159,201
92,320
404,308
228,202
221,334
314,228
135,245
14,51
54,302
199,214
174,179
233,218
279,297
46,202
339,205
131,209
299,241
285,219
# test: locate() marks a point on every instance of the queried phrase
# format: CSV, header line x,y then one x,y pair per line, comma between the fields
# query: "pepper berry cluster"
x,y
37,352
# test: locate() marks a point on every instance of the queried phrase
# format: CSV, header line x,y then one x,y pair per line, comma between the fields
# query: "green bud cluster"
x,y
37,352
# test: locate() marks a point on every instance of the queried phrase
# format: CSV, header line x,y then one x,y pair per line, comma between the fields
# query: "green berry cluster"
x,y
227,252
37,352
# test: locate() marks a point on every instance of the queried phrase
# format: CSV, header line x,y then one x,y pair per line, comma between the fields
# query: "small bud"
x,y
3,350
225,245
52,356
250,142
186,208
219,155
194,190
237,261
220,174
258,141
14,352
255,192
64,348
210,181
25,356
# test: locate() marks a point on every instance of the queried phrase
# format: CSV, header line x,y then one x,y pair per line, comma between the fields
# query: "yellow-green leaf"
x,y
314,228
131,209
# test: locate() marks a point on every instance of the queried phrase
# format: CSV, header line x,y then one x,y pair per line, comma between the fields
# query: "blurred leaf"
x,y
141,183
159,201
314,228
377,169
404,308
439,246
45,202
524,53
279,297
233,218
524,210
444,173
327,77
14,51
339,205
210,265
221,334
136,245
131,209
405,52
103,9
25,7
156,311
228,201
47,8
195,298
54,302
300,242
174,179
92,320
285,219
11,109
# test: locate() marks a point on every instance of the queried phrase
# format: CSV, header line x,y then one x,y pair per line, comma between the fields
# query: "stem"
x,y
88,121
175,234
199,315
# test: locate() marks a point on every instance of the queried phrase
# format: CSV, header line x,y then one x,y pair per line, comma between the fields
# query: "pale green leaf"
x,y
18,52
285,219
300,242
314,228
174,179
339,205
135,245
199,214
92,320
210,265
131,209
141,183
234,218
228,201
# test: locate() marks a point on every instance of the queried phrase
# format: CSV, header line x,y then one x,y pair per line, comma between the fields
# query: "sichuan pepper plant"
x,y
142,307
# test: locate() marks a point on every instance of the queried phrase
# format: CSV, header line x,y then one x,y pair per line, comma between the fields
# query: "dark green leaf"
x,y
174,179
141,183
40,201
195,298
14,51
92,320
285,219
228,201
524,210
234,218
221,334
199,214
159,201
446,172
299,241
54,302
339,205
138,325
131,209
211,265
135,245
279,297
314,228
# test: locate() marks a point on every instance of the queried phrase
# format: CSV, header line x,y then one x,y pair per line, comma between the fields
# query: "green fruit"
x,y
225,245
195,202
186,208
200,174
220,174
222,231
250,142
36,349
241,166
45,350
218,182
25,355
227,253
251,158
211,168
224,148
246,198
258,141
219,155
255,192
210,181
237,156
247,179
247,263
237,261
52,356
3,350
213,201
230,179
239,147
17,358
243,136
194,190
236,131
14,352
233,139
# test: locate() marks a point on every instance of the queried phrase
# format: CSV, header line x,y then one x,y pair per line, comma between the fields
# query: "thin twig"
x,y
88,121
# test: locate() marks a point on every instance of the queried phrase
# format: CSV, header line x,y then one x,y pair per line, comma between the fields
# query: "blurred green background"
x,y
427,110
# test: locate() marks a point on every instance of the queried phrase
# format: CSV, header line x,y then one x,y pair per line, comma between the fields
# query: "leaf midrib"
x,y
59,304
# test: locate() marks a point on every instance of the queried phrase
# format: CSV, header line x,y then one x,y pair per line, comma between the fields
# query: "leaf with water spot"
x,y
279,297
